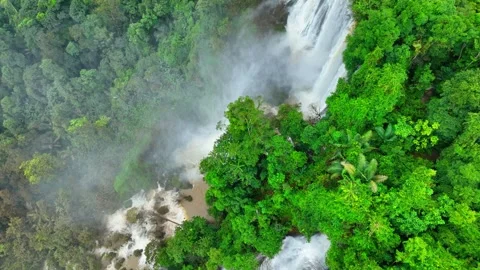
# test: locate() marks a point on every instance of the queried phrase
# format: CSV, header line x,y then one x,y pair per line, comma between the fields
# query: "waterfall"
x,y
316,33
298,253
306,60
151,215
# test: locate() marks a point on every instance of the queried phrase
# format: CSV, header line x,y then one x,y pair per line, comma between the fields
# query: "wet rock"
x,y
188,198
128,203
117,240
186,185
159,232
271,17
108,257
119,263
159,197
176,183
141,216
132,215
138,252
162,210
158,220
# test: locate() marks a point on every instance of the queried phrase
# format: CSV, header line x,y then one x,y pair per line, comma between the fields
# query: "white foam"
x,y
141,232
299,254
316,31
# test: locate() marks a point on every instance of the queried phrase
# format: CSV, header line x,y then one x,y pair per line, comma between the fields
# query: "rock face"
x,y
271,16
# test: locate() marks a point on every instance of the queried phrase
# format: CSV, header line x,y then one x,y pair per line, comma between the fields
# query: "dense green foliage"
x,y
57,241
83,87
391,174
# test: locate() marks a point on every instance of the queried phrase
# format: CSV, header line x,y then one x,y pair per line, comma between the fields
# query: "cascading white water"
x,y
148,221
307,58
298,253
316,32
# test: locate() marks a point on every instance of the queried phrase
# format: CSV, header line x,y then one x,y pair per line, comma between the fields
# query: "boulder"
x,y
132,215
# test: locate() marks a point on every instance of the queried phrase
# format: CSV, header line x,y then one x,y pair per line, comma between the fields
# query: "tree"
x,y
40,168
190,246
459,95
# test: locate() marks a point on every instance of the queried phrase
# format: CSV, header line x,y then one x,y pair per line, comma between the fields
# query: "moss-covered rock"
x,y
116,240
138,252
109,256
119,263
162,210
159,232
132,215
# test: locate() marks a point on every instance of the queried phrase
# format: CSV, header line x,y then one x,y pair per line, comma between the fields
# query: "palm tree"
x,y
386,135
366,171
348,139
39,216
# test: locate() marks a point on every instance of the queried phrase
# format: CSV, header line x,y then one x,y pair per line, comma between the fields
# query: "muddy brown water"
x,y
198,206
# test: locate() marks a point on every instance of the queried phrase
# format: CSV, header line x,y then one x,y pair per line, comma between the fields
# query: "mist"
x,y
298,63
278,52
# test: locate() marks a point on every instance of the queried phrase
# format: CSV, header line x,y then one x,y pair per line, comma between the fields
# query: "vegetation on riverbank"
x,y
390,174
